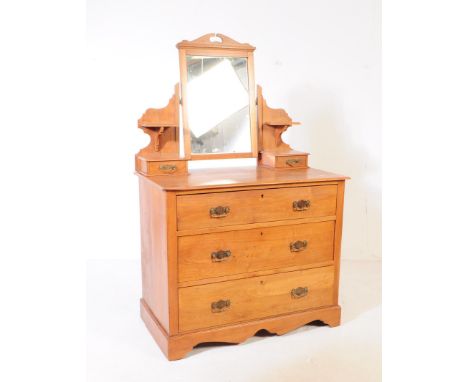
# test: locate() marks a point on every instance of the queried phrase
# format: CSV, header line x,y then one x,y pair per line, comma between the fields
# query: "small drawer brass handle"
x,y
298,246
299,292
220,306
219,212
301,205
292,162
220,256
168,167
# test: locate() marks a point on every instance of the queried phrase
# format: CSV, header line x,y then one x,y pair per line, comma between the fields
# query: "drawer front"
x,y
253,206
299,161
257,297
235,252
167,168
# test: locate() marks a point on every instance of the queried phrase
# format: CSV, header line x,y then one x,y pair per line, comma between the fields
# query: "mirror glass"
x,y
218,104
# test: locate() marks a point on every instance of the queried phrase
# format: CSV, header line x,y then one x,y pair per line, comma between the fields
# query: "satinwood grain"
x,y
211,178
338,233
254,297
176,304
227,252
254,250
177,346
169,167
154,264
254,206
290,161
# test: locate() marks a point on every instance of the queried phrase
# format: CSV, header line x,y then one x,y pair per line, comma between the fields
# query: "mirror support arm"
x,y
272,123
162,125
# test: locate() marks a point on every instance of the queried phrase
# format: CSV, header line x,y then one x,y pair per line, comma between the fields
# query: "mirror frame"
x,y
209,45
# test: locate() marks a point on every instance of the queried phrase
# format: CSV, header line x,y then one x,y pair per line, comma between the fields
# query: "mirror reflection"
x,y
218,104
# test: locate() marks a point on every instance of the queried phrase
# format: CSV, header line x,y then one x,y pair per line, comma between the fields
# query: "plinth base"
x,y
177,346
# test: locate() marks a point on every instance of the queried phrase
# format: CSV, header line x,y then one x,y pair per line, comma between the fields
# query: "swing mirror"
x,y
218,98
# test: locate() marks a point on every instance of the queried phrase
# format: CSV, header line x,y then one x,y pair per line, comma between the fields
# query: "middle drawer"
x,y
234,252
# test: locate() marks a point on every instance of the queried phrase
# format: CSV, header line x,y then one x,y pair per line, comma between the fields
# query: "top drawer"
x,y
254,206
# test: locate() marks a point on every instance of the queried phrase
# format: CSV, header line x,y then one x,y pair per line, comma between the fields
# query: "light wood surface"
x,y
290,160
254,250
193,211
167,290
165,167
230,251
177,346
272,123
252,104
226,43
154,266
202,179
168,116
264,272
272,117
172,259
255,297
241,227
338,233
162,125
161,156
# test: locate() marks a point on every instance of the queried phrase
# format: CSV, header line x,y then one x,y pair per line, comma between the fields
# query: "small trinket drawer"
x,y
222,260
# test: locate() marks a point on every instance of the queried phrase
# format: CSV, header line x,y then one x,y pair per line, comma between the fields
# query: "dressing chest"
x,y
231,251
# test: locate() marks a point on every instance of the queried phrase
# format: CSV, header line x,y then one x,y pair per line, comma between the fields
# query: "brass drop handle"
x,y
219,212
220,306
220,255
292,162
299,292
298,246
168,167
301,205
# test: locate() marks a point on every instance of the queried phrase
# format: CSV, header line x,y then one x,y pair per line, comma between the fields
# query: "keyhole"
x,y
262,195
261,233
262,282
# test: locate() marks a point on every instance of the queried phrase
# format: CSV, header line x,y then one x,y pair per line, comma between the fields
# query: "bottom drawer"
x,y
234,301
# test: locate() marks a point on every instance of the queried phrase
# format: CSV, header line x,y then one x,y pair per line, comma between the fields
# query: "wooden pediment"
x,y
215,41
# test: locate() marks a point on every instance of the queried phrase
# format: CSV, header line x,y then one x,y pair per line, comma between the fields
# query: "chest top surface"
x,y
240,177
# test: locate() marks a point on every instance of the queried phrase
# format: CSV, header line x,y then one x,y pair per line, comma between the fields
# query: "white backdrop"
x,y
317,59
